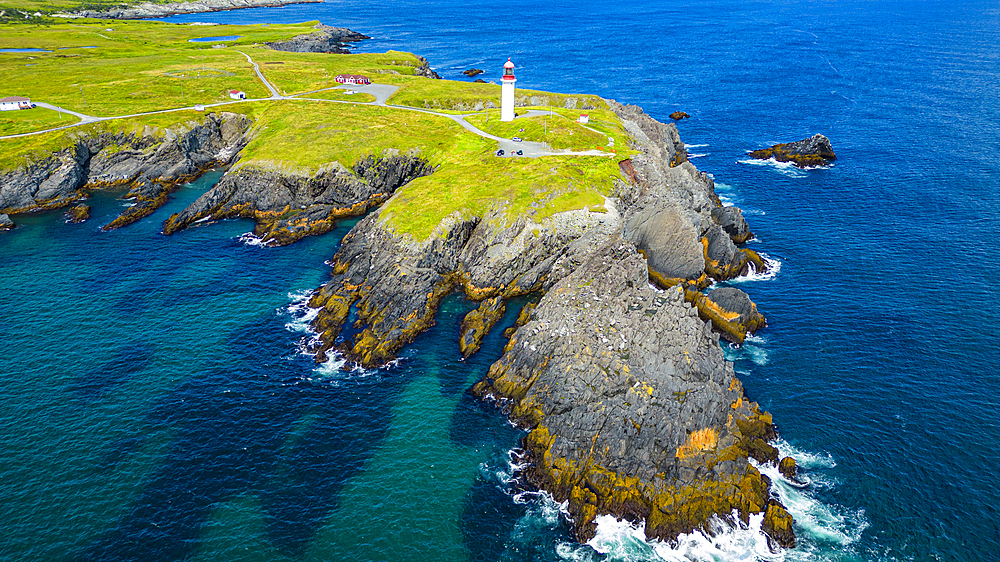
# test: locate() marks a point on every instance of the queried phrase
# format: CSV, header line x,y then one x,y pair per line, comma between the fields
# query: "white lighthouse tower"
x,y
507,92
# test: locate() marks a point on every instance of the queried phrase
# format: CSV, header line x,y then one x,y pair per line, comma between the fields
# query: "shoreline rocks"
x,y
813,151
473,72
326,39
78,214
6,223
150,164
678,115
151,10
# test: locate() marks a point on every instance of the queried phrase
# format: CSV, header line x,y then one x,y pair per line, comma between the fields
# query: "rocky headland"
x,y
813,151
147,164
154,10
325,39
631,407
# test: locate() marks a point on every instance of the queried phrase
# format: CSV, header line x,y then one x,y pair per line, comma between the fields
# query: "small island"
x,y
615,371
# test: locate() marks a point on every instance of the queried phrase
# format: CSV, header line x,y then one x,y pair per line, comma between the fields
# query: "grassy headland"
x,y
141,66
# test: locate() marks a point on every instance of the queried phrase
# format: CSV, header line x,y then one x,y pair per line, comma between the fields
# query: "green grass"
x,y
126,72
27,120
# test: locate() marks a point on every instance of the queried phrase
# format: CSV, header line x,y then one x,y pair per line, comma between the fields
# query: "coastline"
x,y
150,10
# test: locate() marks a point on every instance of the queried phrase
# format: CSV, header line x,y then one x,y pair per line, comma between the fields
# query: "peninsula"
x,y
616,372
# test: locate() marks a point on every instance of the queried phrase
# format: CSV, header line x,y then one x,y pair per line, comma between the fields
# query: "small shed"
x,y
584,118
11,103
352,79
237,94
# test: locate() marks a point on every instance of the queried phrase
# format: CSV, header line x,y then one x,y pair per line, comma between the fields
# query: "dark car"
x,y
500,152
520,153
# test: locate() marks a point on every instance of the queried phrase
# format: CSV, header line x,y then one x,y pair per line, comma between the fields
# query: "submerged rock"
x,y
78,214
813,151
478,323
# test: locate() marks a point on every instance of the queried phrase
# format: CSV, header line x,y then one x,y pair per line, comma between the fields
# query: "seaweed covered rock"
x,y
631,406
678,115
522,319
787,468
478,323
731,312
78,214
473,72
778,525
6,223
731,220
813,151
288,207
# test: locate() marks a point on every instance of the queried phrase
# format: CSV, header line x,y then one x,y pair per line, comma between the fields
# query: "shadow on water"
x,y
234,436
130,359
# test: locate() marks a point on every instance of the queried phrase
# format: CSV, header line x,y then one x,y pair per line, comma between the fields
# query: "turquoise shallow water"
x,y
154,404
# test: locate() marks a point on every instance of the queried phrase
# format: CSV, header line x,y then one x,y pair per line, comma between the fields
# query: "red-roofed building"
x,y
352,79
14,102
237,94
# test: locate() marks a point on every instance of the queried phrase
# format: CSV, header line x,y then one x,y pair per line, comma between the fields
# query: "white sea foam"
x,y
773,268
785,168
300,312
251,239
690,146
691,155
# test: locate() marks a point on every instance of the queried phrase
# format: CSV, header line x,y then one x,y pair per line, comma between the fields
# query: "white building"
x,y
14,102
507,92
237,94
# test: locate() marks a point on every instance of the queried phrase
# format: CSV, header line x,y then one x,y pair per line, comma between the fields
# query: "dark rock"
x,y
287,208
522,319
778,525
678,115
478,323
326,40
473,72
787,468
6,223
669,243
731,312
731,220
813,151
425,69
77,214
479,81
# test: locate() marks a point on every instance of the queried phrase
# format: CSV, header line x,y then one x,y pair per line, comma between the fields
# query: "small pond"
x,y
32,50
213,39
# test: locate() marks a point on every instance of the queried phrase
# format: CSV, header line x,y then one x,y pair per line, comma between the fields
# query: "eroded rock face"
x,y
731,311
478,323
150,164
6,223
632,408
289,207
326,39
813,151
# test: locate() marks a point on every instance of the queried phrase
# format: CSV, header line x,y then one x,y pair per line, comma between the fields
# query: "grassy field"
x,y
27,120
140,66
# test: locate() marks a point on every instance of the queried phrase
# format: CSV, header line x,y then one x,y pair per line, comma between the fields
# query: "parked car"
x,y
500,152
516,139
520,153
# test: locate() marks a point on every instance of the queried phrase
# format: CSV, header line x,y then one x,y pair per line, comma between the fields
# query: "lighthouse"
x,y
507,92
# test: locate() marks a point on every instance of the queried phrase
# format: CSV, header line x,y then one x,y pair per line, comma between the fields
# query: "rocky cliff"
x,y
630,405
148,164
325,39
286,207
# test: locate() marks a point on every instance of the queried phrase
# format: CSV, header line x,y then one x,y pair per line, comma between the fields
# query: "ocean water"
x,y
155,405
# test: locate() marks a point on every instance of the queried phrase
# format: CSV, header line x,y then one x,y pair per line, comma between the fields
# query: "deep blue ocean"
x,y
154,404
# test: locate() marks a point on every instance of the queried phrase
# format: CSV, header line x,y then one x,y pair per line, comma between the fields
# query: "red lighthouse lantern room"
x,y
508,70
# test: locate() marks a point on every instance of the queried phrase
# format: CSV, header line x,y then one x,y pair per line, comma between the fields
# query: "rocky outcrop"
x,y
78,214
472,72
478,323
678,115
151,10
631,406
424,69
813,151
731,312
325,40
6,223
288,207
150,164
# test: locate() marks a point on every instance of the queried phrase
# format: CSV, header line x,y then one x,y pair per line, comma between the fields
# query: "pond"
x,y
213,39
26,50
